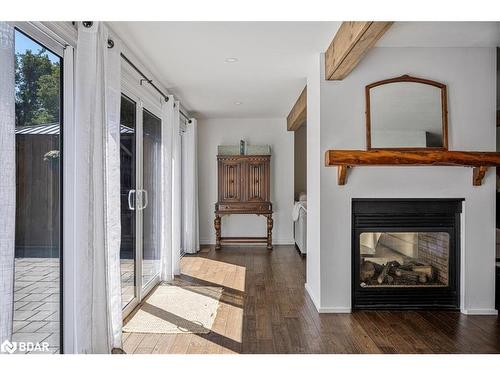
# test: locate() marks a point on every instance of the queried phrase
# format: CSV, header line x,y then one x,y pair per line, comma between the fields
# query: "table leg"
x,y
217,225
269,232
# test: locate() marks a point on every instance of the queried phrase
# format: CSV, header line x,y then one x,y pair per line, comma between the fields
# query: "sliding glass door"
x,y
38,250
128,196
140,143
151,174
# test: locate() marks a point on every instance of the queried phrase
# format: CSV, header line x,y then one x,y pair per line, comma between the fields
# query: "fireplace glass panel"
x,y
404,259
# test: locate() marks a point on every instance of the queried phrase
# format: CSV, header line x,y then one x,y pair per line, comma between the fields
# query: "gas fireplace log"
x,y
394,264
411,275
392,271
401,272
427,270
377,261
383,273
367,271
413,262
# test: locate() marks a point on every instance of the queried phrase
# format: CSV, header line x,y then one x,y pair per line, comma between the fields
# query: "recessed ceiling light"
x,y
231,60
238,103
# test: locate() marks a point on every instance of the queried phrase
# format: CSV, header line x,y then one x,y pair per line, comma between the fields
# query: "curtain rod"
x,y
111,44
150,81
185,116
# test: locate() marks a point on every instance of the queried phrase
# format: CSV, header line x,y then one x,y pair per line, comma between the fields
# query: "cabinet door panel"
x,y
258,182
230,181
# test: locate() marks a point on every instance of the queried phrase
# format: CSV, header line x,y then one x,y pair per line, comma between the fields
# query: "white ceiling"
x,y
189,59
273,57
442,34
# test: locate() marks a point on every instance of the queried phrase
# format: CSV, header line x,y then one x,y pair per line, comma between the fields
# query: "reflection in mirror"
x,y
406,112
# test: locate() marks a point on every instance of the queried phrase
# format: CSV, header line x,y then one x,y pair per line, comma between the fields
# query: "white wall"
x,y
470,76
214,132
314,165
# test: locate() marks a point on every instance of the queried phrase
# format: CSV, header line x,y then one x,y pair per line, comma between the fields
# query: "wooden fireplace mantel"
x,y
345,159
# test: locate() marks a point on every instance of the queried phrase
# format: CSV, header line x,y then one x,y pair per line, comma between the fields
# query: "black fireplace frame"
x,y
407,215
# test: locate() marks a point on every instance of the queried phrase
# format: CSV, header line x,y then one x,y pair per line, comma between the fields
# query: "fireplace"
x,y
406,253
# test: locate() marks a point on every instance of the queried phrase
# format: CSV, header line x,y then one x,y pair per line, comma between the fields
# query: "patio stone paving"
x,y
36,300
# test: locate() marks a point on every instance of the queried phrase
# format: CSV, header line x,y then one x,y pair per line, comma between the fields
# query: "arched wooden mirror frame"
x,y
408,78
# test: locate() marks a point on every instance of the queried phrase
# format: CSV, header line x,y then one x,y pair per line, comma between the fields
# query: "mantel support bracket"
x,y
342,174
478,175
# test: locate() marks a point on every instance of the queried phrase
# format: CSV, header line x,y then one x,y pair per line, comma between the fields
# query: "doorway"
x,y
300,188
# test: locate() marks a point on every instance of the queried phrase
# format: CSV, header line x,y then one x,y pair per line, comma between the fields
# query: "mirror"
x,y
406,113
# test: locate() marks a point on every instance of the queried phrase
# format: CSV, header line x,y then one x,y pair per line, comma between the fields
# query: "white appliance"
x,y
300,229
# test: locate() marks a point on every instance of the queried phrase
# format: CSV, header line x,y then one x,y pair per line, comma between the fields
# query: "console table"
x,y
243,189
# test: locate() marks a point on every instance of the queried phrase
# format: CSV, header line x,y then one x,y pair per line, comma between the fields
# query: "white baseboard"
x,y
325,310
335,310
479,311
284,242
312,296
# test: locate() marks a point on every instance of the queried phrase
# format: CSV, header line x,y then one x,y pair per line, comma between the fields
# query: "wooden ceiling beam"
x,y
298,115
351,42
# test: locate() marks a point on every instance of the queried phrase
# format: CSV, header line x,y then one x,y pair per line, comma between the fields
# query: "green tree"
x,y
48,97
37,88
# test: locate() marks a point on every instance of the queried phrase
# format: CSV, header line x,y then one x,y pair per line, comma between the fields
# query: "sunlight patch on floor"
x,y
229,319
223,274
177,309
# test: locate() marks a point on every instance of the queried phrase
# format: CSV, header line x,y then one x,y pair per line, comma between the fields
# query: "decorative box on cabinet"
x,y
244,187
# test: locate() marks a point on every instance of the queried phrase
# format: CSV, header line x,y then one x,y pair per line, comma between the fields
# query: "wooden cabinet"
x,y
244,187
244,180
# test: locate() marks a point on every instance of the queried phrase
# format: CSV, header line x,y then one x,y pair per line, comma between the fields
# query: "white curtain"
x,y
7,179
190,226
166,269
176,190
97,113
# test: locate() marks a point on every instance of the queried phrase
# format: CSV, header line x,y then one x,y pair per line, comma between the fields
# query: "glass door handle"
x,y
129,199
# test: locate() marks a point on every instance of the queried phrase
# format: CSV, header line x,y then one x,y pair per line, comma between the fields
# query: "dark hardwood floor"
x,y
265,309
